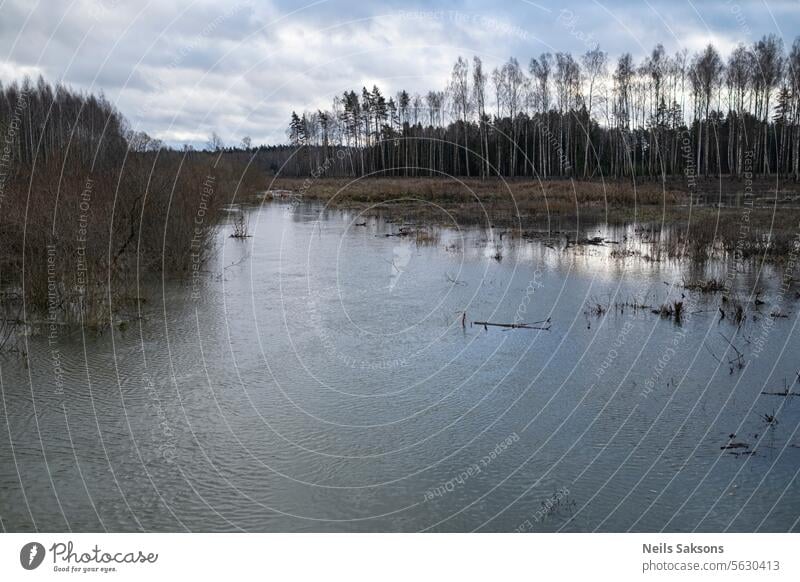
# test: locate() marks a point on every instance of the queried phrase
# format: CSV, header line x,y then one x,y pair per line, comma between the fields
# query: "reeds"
x,y
671,310
241,227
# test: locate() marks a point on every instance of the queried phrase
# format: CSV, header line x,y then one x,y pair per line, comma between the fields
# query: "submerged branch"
x,y
533,325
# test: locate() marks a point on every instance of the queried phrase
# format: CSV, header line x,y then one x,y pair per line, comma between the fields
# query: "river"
x,y
320,376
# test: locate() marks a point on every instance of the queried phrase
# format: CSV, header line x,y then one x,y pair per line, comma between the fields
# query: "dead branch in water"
x,y
533,325
452,280
739,359
785,392
713,355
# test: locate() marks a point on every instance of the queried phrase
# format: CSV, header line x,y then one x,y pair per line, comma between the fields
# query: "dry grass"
x,y
516,204
526,195
733,233
556,206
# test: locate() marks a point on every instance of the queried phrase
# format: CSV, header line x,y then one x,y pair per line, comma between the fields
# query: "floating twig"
x,y
739,359
546,327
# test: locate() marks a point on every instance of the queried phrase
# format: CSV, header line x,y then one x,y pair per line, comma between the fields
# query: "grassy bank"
x,y
697,227
554,195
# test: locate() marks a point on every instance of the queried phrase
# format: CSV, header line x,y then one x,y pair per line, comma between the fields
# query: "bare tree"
x,y
793,80
214,143
459,87
594,66
479,98
707,71
540,70
767,69
737,78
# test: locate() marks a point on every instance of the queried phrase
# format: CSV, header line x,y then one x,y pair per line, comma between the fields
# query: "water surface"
x,y
318,378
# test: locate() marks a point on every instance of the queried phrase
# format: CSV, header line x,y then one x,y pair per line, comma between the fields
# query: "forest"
x,y
89,207
89,203
561,116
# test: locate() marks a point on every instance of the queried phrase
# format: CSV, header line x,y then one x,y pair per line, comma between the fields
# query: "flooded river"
x,y
323,376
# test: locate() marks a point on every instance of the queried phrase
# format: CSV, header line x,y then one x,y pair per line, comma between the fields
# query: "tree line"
x,y
562,116
88,205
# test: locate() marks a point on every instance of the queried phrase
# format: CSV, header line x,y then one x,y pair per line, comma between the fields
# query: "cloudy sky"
x,y
184,68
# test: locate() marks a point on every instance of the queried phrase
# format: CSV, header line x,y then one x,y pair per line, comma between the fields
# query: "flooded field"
x,y
326,374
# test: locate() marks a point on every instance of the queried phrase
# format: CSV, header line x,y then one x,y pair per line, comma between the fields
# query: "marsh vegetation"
x,y
91,208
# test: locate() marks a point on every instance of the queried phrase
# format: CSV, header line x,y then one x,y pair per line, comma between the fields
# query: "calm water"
x,y
318,378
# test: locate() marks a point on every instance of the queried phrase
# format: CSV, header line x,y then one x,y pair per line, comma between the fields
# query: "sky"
x,y
183,69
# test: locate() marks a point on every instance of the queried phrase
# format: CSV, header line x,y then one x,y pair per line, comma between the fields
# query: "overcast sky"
x,y
184,68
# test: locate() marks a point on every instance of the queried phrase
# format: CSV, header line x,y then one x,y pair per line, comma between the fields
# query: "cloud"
x,y
182,69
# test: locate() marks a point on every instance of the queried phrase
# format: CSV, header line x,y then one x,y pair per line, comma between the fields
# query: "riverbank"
x,y
706,218
77,245
555,195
